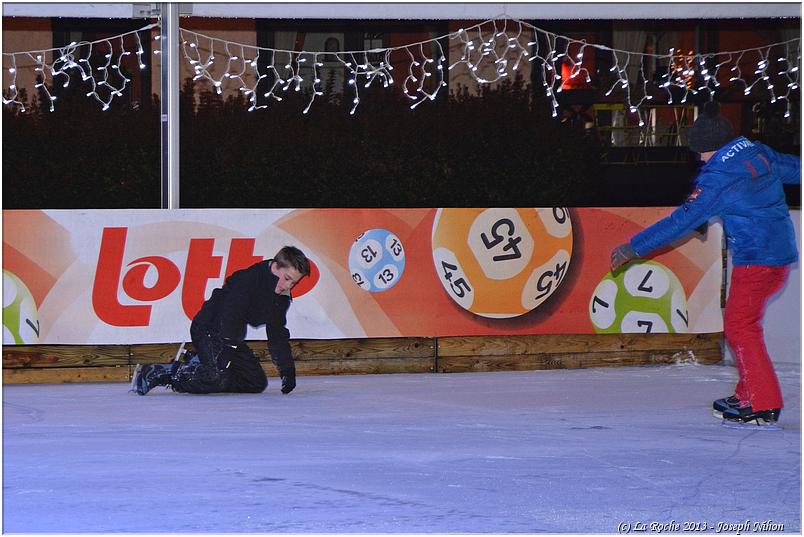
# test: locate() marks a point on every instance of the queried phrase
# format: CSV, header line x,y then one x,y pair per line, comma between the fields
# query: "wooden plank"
x,y
66,374
350,349
157,353
310,349
38,356
73,363
365,366
462,364
541,343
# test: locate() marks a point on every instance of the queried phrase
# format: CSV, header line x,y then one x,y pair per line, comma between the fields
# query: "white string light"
x,y
106,79
490,52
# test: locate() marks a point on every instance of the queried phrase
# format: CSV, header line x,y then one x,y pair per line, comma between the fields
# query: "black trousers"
x,y
218,367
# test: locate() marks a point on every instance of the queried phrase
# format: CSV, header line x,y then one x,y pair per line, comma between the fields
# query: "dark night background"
x,y
500,148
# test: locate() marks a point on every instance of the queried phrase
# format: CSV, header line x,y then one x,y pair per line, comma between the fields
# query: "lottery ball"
x,y
643,297
499,262
376,260
20,318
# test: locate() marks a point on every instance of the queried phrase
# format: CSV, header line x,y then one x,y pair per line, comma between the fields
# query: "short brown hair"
x,y
290,256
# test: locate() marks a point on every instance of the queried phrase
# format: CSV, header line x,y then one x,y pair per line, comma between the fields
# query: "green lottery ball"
x,y
644,297
20,318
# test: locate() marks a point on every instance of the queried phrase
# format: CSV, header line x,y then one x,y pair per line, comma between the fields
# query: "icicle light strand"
x,y
494,50
490,51
106,78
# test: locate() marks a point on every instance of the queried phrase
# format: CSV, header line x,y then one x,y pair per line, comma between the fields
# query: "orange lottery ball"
x,y
501,262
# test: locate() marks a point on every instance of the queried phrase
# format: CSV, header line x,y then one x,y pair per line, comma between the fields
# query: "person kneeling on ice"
x,y
222,362
741,182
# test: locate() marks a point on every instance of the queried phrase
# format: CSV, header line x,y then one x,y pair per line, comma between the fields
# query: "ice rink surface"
x,y
581,451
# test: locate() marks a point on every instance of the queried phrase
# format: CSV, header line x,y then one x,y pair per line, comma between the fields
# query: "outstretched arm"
x,y
699,207
279,346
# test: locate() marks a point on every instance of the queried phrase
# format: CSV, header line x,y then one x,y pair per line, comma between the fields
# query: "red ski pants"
x,y
751,287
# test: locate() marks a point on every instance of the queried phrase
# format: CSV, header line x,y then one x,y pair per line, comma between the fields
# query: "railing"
x,y
665,126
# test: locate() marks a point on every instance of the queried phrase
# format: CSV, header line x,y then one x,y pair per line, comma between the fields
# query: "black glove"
x,y
288,382
622,255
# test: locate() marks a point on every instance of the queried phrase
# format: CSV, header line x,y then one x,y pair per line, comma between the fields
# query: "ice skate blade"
x,y
718,414
132,387
180,352
751,426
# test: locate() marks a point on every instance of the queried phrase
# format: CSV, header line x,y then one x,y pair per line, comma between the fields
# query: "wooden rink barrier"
x,y
29,364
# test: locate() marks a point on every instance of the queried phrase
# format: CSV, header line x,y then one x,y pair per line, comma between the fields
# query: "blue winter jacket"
x,y
741,183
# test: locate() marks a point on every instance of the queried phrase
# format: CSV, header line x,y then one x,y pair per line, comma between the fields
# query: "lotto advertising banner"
x,y
139,276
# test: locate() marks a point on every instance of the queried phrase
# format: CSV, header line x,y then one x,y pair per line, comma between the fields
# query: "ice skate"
x,y
181,354
746,418
135,378
721,405
149,376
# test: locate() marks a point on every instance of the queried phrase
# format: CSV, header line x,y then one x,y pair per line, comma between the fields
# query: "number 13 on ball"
x,y
376,260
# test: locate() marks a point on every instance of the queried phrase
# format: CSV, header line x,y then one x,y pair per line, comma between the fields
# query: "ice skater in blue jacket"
x,y
741,182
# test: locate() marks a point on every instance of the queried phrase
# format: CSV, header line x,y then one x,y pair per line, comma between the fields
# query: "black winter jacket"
x,y
248,298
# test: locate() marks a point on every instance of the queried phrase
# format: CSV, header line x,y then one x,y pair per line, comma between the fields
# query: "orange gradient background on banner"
x,y
57,254
418,304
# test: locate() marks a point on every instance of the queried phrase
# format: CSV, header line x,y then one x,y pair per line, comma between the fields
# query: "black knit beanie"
x,y
711,131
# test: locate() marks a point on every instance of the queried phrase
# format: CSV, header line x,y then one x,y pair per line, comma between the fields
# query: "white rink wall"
x,y
783,315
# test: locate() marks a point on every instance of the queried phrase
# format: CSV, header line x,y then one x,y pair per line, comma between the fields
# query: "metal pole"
x,y
168,42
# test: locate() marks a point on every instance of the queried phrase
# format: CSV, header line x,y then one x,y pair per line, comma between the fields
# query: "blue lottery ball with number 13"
x,y
376,260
